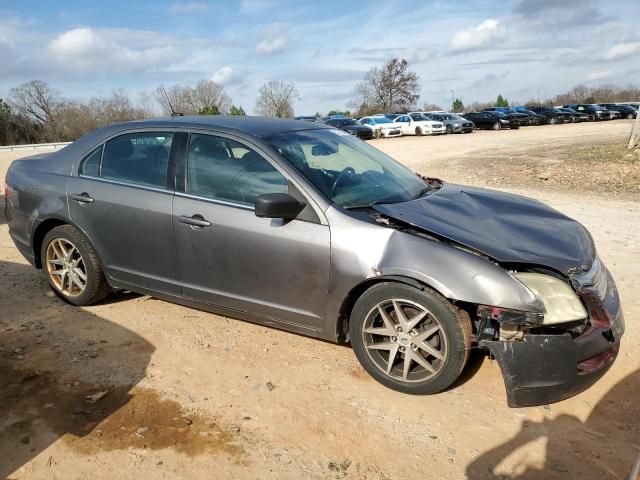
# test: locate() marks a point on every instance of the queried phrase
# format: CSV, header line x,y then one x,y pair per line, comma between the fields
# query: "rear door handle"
x,y
196,220
83,197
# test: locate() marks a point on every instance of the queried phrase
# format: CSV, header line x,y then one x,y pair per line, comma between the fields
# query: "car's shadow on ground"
x,y
604,446
52,357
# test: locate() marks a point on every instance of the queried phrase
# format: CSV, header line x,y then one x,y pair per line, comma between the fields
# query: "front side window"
x,y
223,169
90,164
141,158
346,171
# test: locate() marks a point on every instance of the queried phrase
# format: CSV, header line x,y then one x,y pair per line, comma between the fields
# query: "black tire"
x,y
591,118
496,126
418,131
449,129
377,134
96,288
454,323
630,116
553,121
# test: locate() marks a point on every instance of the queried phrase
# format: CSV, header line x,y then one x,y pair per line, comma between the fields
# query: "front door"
x,y
122,199
229,257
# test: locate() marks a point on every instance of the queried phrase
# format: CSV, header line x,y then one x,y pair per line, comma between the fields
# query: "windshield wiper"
x,y
375,202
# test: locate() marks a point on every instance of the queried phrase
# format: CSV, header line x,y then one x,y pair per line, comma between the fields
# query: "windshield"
x,y
349,121
450,116
347,171
381,119
418,117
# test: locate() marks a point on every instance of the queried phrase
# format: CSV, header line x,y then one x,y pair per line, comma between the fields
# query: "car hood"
x,y
511,229
355,128
389,125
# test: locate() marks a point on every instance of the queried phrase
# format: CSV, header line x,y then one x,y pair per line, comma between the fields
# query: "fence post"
x,y
635,132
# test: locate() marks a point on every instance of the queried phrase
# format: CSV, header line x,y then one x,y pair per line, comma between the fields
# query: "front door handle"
x,y
196,220
83,197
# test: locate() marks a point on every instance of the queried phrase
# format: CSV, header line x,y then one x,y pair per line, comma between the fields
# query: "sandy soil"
x,y
195,395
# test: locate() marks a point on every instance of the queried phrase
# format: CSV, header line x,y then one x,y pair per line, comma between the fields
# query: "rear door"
x,y
121,198
274,269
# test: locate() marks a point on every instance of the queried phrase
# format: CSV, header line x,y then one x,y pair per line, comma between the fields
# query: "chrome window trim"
x,y
225,203
127,184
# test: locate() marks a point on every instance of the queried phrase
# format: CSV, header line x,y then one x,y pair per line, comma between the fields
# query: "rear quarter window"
x,y
90,165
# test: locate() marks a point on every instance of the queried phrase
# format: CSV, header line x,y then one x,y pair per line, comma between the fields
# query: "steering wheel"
x,y
341,175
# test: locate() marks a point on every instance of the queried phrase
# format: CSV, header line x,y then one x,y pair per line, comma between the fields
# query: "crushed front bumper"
x,y
544,369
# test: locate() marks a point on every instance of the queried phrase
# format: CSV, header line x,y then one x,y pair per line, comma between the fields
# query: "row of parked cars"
x,y
495,118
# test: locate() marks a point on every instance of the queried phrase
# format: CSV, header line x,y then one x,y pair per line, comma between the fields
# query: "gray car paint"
x,y
358,251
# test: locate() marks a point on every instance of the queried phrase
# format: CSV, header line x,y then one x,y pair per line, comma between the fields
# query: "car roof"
x,y
255,126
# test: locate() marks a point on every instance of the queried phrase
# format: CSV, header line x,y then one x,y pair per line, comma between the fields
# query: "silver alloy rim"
x,y
405,340
66,267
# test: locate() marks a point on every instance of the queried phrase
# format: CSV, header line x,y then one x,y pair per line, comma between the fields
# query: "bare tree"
x,y
275,99
392,87
206,96
431,107
36,100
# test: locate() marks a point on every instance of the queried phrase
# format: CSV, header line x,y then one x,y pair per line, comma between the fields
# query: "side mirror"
x,y
278,205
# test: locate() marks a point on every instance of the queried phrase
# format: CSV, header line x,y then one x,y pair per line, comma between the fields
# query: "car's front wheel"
x,y
449,129
410,340
497,126
630,116
418,131
72,267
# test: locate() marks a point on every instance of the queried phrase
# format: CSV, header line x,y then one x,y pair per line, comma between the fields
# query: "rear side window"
x,y
141,158
90,164
223,169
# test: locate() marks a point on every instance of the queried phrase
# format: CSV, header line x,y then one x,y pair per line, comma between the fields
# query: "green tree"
x,y
457,106
501,101
209,110
233,110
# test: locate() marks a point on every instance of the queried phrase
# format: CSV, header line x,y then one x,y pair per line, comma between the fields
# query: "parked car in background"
x,y
534,118
352,126
308,118
299,226
490,120
453,122
552,114
513,115
595,112
417,124
575,115
382,126
626,111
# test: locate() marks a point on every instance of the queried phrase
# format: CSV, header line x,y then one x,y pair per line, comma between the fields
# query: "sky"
x,y
471,49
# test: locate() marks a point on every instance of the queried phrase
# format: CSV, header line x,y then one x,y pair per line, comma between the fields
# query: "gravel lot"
x,y
195,395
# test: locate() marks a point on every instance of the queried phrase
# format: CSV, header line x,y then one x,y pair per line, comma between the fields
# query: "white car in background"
x,y
382,126
415,123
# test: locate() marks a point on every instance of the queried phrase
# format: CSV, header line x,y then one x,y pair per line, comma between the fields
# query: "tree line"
x,y
36,112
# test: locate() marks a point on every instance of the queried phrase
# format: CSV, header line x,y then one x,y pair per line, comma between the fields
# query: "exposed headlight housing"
x,y
561,303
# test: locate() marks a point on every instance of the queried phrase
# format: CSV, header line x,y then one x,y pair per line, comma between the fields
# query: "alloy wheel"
x,y
66,267
405,340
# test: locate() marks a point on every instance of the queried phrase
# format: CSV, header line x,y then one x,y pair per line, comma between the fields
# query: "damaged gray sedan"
x,y
305,228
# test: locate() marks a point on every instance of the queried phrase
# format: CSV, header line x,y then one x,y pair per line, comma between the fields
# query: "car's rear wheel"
x,y
72,267
410,340
497,126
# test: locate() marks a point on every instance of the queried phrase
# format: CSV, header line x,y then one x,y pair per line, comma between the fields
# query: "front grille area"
x,y
467,124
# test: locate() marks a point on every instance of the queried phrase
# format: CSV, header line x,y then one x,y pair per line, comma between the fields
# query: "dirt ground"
x,y
194,395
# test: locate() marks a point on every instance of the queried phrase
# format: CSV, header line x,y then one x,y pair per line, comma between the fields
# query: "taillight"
x,y
6,188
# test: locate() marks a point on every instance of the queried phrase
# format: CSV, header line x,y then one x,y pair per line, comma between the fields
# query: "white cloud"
x,y
600,75
190,7
483,35
621,50
88,50
224,75
274,39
